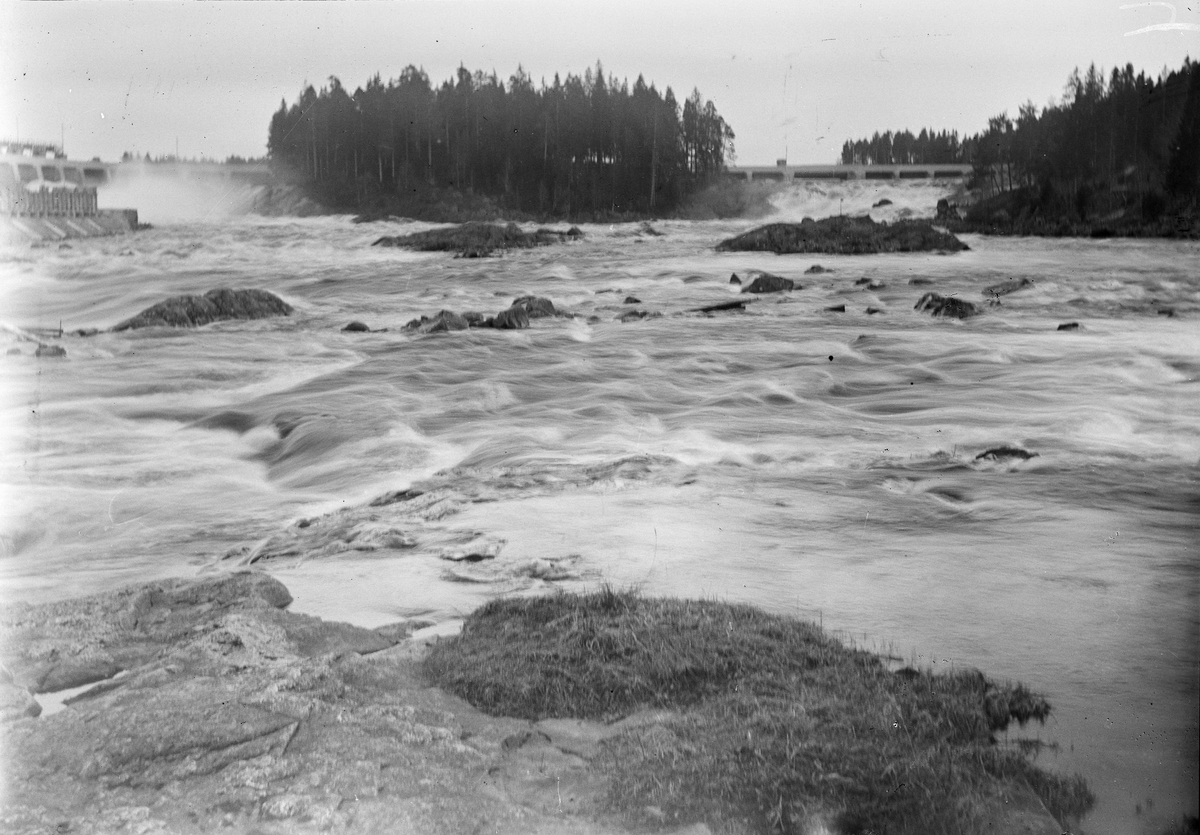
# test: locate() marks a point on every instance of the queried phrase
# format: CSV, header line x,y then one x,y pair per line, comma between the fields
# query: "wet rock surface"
x,y
214,306
939,305
235,715
844,235
768,283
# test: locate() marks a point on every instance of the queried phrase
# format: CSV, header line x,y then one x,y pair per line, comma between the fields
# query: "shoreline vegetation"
x,y
212,706
770,724
1115,157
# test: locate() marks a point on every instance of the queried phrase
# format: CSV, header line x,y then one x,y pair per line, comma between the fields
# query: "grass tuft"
x,y
777,726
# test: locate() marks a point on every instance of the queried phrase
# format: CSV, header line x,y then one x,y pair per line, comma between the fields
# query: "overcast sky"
x,y
791,77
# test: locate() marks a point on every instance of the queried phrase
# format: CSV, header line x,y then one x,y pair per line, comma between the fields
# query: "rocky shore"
x,y
206,705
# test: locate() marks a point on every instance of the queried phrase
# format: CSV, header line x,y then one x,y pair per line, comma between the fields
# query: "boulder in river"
x,y
844,235
515,318
1069,326
537,307
817,269
214,306
733,279
44,350
1005,453
1003,288
476,240
634,315
769,283
940,305
445,320
356,327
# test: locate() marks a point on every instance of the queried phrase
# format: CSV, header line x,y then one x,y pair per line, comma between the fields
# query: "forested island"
x,y
586,147
1115,156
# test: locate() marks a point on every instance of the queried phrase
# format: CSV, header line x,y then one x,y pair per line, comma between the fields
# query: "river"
x,y
816,463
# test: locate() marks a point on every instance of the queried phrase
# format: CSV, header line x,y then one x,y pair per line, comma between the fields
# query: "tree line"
x,y
586,145
926,148
1110,140
1127,133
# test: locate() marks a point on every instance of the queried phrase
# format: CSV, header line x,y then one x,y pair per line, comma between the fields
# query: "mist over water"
x,y
817,463
162,195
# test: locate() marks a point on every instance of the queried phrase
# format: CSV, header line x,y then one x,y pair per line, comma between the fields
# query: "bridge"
x,y
787,173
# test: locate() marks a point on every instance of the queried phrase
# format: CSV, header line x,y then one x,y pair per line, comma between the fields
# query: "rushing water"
x,y
816,463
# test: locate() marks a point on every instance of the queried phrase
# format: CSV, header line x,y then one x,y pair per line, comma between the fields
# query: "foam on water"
x,y
813,462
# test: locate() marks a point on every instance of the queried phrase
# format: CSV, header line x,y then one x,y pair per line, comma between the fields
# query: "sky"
x,y
793,78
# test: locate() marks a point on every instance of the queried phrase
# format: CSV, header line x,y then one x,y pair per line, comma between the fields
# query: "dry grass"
x,y
778,724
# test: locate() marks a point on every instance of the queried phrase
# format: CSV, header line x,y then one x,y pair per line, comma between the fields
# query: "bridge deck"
x,y
849,172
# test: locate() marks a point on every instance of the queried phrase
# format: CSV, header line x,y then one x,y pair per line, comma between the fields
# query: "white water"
x,y
814,463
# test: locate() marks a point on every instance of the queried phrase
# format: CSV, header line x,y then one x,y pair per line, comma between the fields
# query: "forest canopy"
x,y
586,145
1109,140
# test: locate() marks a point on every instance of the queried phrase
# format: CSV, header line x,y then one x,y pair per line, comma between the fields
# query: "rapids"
x,y
817,463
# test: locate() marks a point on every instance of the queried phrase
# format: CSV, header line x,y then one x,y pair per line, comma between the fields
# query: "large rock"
x,y
940,305
768,283
515,318
845,235
237,716
537,306
476,240
445,320
213,306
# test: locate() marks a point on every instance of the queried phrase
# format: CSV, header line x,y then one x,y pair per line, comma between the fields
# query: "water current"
x,y
817,463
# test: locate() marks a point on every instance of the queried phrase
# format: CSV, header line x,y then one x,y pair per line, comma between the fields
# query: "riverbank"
x,y
1037,212
212,706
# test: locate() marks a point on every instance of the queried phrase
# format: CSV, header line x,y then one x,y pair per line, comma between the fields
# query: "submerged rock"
x,y
632,300
44,350
817,269
634,315
849,235
739,304
356,327
1069,326
445,320
940,305
1005,453
768,283
837,308
1005,287
214,306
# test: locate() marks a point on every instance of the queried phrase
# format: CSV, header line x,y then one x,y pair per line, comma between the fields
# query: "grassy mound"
x,y
843,235
477,240
779,726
